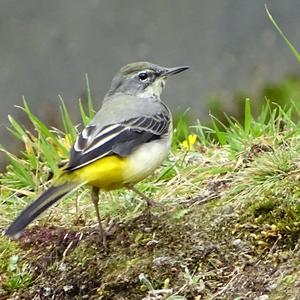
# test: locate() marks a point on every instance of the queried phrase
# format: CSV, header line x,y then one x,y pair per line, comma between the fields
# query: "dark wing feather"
x,y
131,140
121,139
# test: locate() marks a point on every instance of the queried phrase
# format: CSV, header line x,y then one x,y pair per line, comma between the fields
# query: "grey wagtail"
x,y
127,140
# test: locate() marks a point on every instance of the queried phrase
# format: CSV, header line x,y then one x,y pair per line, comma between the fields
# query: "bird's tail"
x,y
48,198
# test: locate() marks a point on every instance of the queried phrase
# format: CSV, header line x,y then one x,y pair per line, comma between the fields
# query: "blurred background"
x,y
234,51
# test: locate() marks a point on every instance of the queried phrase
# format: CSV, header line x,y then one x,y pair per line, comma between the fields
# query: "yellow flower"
x,y
189,143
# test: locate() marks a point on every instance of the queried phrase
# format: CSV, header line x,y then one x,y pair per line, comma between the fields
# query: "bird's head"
x,y
142,79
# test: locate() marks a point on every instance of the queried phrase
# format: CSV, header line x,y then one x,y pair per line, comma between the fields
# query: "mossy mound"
x,y
211,251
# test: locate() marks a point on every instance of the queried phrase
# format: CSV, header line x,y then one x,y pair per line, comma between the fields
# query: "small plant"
x,y
44,150
15,274
273,124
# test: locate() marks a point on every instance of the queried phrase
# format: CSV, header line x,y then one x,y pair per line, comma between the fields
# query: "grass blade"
x,y
67,122
89,98
291,46
84,117
248,116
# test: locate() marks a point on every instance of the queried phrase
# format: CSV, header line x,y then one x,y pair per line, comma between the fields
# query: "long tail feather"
x,y
48,198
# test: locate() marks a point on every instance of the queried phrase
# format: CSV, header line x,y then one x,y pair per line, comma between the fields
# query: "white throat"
x,y
153,90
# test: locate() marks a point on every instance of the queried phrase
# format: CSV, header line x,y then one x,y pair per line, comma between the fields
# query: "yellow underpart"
x,y
106,173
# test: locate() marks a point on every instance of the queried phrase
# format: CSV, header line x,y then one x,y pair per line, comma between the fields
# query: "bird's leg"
x,y
95,199
149,201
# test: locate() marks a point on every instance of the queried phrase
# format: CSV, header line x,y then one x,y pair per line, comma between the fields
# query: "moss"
x,y
263,207
287,287
196,250
14,271
282,215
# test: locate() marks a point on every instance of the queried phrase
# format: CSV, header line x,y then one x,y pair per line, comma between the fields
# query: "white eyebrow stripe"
x,y
103,141
146,71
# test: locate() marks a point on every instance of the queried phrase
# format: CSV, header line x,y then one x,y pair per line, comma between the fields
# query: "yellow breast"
x,y
106,173
114,172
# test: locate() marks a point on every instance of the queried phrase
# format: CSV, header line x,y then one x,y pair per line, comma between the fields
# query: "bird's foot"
x,y
152,203
106,231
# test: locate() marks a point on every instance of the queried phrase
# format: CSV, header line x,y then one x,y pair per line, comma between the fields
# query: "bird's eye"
x,y
143,76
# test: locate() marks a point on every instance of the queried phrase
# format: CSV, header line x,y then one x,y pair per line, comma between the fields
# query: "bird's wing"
x,y
118,138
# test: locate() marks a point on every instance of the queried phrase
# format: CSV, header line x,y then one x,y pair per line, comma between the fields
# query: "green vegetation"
x,y
231,194
15,274
283,92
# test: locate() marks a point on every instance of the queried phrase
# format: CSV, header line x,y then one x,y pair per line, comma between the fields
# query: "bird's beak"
x,y
172,71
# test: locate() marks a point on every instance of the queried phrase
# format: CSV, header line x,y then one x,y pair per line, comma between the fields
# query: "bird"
x,y
128,138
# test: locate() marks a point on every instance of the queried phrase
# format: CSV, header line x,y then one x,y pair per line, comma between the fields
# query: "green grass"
x,y
15,273
274,131
286,40
250,165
